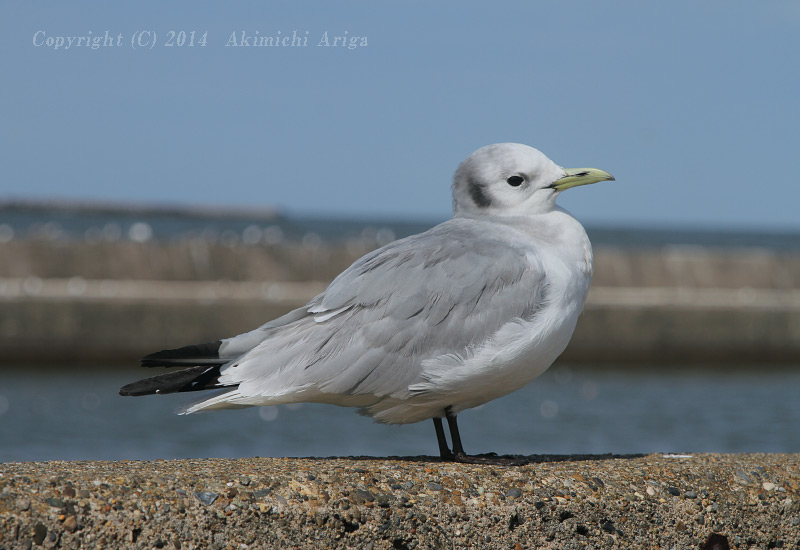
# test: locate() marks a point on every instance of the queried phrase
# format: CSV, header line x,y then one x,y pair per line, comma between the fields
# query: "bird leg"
x,y
458,454
444,450
455,437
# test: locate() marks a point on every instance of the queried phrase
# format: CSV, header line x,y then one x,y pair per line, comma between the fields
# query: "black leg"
x,y
458,454
455,437
444,450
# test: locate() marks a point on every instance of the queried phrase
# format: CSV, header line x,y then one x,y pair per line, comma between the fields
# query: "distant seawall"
x,y
67,300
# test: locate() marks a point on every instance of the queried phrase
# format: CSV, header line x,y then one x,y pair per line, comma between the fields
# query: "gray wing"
x,y
441,292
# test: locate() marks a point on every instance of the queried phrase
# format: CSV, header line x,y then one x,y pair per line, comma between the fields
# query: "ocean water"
x,y
60,413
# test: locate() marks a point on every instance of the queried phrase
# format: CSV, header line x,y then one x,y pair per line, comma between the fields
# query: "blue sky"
x,y
693,106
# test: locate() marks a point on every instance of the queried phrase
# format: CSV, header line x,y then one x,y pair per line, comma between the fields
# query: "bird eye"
x,y
515,181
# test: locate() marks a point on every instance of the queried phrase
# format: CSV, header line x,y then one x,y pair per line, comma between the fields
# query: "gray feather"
x,y
412,300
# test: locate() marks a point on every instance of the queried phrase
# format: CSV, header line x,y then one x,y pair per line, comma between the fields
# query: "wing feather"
x,y
437,294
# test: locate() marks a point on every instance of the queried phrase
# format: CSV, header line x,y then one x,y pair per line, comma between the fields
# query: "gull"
x,y
426,326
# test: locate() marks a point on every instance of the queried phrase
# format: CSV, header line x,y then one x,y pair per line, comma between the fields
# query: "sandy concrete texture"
x,y
566,502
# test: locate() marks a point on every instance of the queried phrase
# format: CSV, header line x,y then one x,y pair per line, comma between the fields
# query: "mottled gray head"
x,y
513,179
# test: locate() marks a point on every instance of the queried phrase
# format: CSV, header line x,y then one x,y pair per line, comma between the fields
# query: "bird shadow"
x,y
492,459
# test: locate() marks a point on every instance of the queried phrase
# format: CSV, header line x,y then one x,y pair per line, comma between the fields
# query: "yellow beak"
x,y
580,176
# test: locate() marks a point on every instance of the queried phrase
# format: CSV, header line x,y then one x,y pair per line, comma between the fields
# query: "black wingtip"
x,y
191,379
195,354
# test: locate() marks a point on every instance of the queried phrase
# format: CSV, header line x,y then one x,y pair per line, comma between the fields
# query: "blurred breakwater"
x,y
73,300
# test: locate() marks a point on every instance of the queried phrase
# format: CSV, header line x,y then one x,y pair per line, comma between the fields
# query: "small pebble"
x,y
690,494
742,477
673,491
206,497
514,493
56,502
434,486
361,496
39,533
71,524
608,526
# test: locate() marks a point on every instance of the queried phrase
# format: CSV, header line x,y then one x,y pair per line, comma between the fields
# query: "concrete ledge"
x,y
120,321
653,501
73,301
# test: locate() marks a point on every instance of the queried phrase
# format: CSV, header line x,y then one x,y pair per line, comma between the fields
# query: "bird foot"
x,y
489,459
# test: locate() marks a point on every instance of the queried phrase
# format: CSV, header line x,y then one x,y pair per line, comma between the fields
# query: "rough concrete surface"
x,y
652,501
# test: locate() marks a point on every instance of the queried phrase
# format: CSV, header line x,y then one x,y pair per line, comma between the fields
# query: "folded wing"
x,y
366,337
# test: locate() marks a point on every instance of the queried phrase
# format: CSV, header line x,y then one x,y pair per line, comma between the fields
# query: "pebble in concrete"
x,y
416,502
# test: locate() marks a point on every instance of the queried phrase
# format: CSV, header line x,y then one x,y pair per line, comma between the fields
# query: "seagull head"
x,y
511,179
